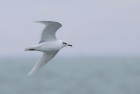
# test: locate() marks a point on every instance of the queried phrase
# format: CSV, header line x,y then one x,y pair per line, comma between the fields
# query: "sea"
x,y
71,75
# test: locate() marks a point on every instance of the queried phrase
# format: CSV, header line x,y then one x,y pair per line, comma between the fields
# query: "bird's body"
x,y
48,44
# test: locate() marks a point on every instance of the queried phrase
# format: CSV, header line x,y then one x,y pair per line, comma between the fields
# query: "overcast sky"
x,y
97,27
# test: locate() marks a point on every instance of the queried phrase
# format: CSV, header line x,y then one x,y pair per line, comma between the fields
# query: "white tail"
x,y
29,49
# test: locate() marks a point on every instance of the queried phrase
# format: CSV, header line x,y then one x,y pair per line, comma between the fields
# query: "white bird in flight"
x,y
48,44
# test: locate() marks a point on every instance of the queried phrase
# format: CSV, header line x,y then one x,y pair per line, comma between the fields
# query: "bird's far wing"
x,y
49,31
44,59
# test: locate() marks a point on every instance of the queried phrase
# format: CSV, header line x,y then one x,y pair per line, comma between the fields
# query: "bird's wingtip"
x,y
37,21
47,22
30,73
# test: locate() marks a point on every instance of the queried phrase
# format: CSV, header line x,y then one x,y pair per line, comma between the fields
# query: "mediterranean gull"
x,y
48,44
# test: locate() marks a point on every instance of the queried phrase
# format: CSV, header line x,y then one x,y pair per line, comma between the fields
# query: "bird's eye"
x,y
64,43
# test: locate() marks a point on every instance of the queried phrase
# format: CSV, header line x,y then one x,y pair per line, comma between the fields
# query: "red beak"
x,y
70,45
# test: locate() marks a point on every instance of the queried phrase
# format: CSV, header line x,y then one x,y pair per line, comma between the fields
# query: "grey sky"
x,y
95,27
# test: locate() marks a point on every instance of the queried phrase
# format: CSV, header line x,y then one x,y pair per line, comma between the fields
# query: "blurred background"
x,y
104,59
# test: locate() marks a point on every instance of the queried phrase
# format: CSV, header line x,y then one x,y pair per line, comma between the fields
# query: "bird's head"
x,y
64,44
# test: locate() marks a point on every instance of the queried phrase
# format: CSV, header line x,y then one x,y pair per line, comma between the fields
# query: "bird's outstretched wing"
x,y
44,59
49,31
